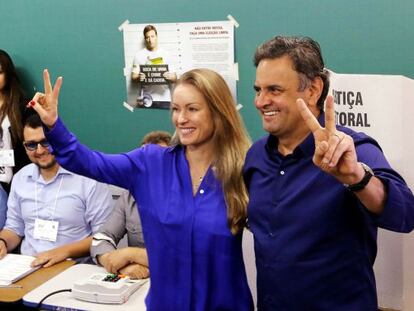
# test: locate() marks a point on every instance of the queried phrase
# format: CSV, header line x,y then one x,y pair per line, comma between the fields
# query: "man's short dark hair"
x,y
33,121
149,28
306,56
157,137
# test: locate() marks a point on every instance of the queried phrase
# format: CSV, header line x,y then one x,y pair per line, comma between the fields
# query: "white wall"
x,y
408,142
388,102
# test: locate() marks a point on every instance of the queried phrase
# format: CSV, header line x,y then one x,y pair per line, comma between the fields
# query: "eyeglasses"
x,y
32,145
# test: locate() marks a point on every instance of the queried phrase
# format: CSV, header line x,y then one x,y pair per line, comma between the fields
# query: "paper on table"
x,y
13,267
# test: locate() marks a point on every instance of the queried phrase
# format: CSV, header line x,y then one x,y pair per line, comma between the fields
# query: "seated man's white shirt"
x,y
82,206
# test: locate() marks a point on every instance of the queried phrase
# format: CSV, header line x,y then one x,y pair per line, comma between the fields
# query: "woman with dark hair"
x,y
12,107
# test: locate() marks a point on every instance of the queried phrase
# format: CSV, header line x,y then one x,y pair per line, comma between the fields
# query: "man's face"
x,y
41,155
151,40
276,87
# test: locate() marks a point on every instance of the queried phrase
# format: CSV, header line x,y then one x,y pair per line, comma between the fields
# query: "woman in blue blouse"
x,y
191,197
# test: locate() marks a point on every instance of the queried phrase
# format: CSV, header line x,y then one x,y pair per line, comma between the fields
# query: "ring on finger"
x,y
339,137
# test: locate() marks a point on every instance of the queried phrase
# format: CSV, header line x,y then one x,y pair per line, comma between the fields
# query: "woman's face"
x,y
2,78
191,116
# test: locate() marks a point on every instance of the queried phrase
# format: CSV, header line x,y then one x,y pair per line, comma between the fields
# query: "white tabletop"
x,y
66,279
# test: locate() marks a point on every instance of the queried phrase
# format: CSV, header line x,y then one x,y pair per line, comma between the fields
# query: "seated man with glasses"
x,y
51,211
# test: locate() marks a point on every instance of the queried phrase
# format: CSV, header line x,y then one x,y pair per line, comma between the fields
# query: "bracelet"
x,y
4,241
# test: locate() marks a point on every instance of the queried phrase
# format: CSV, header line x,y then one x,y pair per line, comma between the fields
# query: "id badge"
x,y
7,157
45,230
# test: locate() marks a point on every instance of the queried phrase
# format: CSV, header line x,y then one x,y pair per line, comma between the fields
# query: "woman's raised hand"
x,y
46,103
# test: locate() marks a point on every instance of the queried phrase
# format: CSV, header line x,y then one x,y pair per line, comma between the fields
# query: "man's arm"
x,y
99,204
3,206
131,261
171,75
11,239
135,271
113,230
335,154
118,259
136,73
58,254
374,195
13,231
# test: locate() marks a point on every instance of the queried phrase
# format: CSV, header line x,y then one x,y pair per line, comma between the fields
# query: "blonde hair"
x,y
230,138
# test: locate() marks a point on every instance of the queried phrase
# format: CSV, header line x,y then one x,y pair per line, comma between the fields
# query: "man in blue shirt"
x,y
318,192
51,211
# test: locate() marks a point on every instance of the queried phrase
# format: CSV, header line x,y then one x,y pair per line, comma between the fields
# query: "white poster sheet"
x,y
181,47
382,107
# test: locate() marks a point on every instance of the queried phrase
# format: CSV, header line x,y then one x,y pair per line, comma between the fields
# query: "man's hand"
x,y
141,76
3,249
49,258
46,103
135,271
334,150
115,260
170,76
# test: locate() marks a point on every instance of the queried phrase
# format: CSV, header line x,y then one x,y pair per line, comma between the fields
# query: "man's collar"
x,y
307,147
34,172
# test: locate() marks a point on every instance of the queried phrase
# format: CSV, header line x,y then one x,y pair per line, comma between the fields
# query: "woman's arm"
x,y
117,169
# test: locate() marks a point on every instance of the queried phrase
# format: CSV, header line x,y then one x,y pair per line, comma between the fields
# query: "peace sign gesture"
x,y
46,103
334,150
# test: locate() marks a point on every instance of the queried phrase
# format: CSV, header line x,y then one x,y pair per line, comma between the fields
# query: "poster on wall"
x,y
380,106
157,54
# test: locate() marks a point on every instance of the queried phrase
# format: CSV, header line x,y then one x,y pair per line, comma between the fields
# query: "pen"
x,y
11,286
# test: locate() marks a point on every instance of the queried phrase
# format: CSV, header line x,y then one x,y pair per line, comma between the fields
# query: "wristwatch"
x,y
364,181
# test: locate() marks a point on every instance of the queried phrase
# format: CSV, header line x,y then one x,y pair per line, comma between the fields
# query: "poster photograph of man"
x,y
150,72
156,55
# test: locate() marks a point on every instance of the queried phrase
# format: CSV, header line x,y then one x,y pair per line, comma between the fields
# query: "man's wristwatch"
x,y
365,180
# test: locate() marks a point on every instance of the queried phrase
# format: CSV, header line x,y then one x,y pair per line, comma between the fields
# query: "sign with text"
x,y
380,106
154,74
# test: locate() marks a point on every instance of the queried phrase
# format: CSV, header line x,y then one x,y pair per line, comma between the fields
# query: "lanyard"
x,y
57,195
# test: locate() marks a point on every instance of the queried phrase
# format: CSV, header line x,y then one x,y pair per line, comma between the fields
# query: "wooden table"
x,y
33,280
